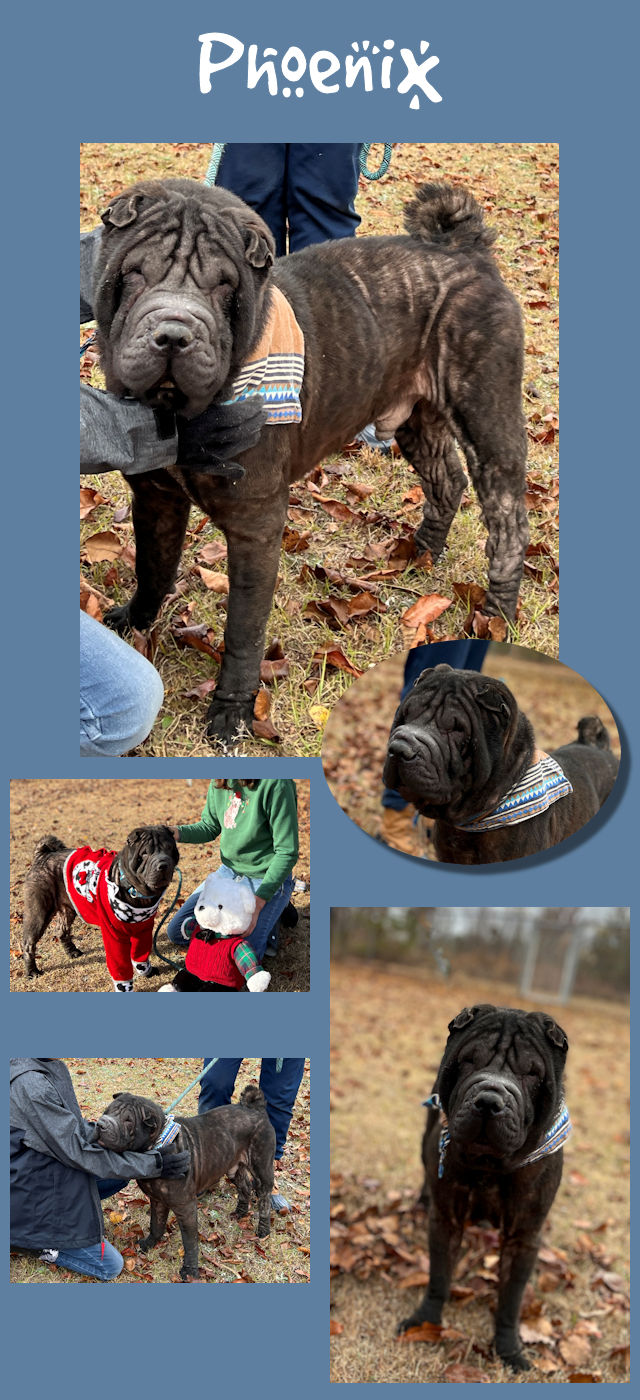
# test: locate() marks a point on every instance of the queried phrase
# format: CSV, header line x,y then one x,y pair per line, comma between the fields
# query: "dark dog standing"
x,y
500,1089
459,743
237,1141
146,863
418,334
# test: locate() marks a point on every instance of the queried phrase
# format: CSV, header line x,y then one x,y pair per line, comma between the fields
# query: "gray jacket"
x,y
115,434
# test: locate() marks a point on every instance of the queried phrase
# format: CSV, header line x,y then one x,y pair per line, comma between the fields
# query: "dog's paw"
x,y
146,1244
230,719
119,619
263,1231
34,971
186,1277
74,952
516,1362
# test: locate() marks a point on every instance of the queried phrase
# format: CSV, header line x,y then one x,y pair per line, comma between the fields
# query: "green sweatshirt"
x,y
258,830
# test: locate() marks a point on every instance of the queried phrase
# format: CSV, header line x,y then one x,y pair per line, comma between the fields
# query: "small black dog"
x,y
117,891
464,754
492,1150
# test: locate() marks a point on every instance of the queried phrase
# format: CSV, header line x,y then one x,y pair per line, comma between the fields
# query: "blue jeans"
x,y
307,190
279,1090
266,921
463,656
93,1260
120,692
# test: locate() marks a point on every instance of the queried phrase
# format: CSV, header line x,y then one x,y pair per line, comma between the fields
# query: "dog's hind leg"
x,y
67,917
426,442
244,1185
160,513
40,908
187,1217
490,427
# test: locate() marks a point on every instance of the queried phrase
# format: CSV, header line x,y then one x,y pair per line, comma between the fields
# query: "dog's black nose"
x,y
401,745
173,335
489,1101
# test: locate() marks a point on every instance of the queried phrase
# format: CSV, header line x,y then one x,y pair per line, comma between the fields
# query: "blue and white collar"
x,y
553,1140
543,784
169,1132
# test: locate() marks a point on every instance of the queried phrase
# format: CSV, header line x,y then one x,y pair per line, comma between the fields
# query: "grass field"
x,y
100,812
388,1030
229,1250
351,521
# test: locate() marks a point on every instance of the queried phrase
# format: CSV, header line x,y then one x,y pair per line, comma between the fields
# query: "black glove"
x,y
174,1164
208,443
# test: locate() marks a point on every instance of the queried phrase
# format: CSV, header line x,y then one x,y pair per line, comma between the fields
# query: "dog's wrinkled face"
x,y
149,859
129,1124
455,743
178,263
500,1081
225,905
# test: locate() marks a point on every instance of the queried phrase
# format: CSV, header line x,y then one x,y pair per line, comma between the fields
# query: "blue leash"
x,y
218,148
169,961
201,1075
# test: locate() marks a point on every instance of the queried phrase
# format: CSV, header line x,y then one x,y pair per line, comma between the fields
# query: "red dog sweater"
x,y
127,933
216,962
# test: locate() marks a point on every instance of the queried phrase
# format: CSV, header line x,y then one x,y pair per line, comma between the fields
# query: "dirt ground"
x,y
388,1031
101,812
229,1250
357,732
348,571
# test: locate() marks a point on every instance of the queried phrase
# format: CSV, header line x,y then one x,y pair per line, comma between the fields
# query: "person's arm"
x,y
89,245
282,812
54,1129
123,435
207,829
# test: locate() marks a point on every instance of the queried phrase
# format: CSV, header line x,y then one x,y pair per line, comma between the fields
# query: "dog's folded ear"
x,y
122,211
555,1032
467,1015
258,242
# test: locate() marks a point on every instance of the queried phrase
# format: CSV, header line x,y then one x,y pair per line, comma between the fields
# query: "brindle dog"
x,y
237,1141
418,334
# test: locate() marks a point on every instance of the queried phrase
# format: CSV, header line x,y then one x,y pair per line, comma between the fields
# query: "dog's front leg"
x,y
157,1225
187,1217
160,512
445,1234
254,534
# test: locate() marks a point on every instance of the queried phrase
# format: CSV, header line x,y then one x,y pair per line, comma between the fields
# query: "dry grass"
x,y
388,1029
356,736
100,812
517,185
229,1250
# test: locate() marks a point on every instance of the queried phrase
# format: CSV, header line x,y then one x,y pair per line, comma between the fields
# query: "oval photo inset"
x,y
471,753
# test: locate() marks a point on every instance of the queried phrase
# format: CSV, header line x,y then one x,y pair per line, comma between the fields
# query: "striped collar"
x,y
553,1140
540,786
169,1132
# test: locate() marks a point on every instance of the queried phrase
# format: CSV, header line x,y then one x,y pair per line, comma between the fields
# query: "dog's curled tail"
x,y
46,846
591,731
449,215
253,1097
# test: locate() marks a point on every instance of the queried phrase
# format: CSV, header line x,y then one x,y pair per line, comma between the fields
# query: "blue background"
x,y
129,72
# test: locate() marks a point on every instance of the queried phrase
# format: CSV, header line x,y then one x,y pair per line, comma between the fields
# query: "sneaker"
x,y
49,1256
279,1202
368,438
122,986
142,969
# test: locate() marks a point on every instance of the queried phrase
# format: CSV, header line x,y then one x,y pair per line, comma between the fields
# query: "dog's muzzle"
x,y
490,1116
415,762
107,1130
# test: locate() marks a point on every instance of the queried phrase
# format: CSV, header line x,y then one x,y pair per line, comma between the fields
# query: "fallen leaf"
x,y
335,1328
575,1350
104,545
333,656
212,553
319,715
458,1375
295,541
218,583
89,501
427,609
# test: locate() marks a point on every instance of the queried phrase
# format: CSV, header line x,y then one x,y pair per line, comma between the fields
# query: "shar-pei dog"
x,y
492,1151
417,334
462,751
237,1141
115,891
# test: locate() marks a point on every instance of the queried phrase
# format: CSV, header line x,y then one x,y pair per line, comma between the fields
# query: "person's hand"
x,y
260,903
174,1164
209,442
175,832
